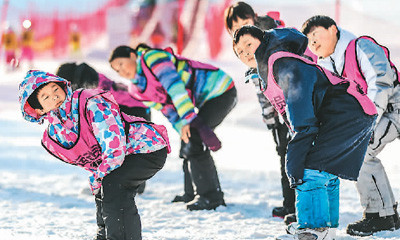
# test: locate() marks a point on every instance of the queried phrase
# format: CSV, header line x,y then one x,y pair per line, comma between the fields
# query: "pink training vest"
x,y
86,152
275,94
154,90
352,68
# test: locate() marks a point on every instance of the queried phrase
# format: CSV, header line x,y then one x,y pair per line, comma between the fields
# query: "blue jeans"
x,y
317,200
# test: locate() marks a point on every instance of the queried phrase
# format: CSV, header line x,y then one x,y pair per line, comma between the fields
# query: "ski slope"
x,y
43,198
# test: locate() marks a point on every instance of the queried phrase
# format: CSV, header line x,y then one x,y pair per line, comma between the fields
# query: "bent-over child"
x,y
195,97
87,129
236,16
363,59
331,120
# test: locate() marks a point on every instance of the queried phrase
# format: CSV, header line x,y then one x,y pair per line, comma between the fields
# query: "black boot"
x,y
183,198
370,224
396,217
203,203
290,218
281,212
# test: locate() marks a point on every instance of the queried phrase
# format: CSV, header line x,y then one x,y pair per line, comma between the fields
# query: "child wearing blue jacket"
x,y
332,123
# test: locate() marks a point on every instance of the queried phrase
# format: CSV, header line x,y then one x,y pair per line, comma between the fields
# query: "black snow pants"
x,y
200,173
117,214
282,138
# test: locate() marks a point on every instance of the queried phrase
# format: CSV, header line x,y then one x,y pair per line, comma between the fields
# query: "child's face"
x,y
245,49
322,41
240,23
50,97
125,67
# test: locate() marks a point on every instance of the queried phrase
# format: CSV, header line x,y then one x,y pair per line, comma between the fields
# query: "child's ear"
x,y
333,29
39,111
133,55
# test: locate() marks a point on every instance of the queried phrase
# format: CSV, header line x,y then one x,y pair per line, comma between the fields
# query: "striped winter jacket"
x,y
187,87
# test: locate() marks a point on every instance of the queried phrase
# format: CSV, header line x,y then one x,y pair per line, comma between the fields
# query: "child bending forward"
x,y
87,129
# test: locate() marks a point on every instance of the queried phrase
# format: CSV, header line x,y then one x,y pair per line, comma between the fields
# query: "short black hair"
x,y
318,21
124,51
33,98
80,76
248,29
238,10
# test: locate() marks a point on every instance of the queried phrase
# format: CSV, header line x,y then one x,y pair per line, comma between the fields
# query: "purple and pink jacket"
x,y
88,129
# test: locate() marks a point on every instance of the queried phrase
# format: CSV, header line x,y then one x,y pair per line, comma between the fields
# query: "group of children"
x,y
329,118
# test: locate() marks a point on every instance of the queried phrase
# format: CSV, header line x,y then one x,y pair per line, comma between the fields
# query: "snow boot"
x,y
324,233
203,203
396,217
290,218
292,229
183,198
281,212
370,224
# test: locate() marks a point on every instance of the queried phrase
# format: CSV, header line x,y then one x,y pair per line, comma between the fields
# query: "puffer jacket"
x,y
104,119
331,130
183,86
374,66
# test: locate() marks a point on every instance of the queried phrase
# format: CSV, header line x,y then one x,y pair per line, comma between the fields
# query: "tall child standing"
x,y
332,123
87,129
195,97
236,16
364,60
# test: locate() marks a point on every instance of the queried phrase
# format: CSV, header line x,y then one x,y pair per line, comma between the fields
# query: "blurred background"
x,y
32,30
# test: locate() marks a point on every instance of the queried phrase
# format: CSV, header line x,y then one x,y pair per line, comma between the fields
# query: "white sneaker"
x,y
309,234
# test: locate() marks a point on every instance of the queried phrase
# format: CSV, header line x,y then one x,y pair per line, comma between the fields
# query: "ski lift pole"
x,y
337,12
3,19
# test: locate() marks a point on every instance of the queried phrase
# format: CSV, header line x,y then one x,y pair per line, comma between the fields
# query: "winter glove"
x,y
207,135
269,120
294,183
251,74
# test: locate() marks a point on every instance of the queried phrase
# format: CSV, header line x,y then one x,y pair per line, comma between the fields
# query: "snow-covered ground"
x,y
43,198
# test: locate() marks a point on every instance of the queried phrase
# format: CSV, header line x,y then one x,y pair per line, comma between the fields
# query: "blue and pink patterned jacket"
x,y
105,125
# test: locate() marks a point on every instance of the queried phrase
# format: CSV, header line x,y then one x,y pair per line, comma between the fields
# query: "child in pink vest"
x,y
236,16
330,118
87,129
367,62
84,76
195,97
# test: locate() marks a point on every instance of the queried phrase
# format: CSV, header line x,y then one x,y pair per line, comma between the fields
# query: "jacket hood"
x,y
33,80
276,40
283,39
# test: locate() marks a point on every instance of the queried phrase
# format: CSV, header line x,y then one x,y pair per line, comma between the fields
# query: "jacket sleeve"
x,y
297,82
161,64
109,131
377,71
268,111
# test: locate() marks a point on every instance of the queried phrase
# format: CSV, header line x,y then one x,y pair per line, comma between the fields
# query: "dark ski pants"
x,y
117,214
282,138
200,173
